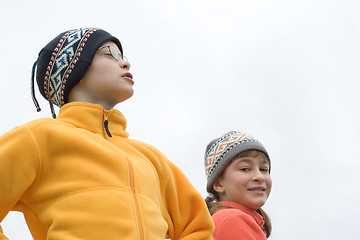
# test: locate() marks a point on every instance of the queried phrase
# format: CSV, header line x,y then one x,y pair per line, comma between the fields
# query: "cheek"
x,y
101,67
99,72
238,181
269,184
99,76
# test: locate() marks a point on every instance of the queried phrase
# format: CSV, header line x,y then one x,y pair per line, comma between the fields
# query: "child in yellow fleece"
x,y
79,176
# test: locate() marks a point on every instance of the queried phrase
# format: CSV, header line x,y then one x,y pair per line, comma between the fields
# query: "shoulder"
x,y
48,125
27,127
41,122
42,127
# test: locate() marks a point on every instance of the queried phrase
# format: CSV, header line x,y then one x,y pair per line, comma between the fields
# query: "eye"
x,y
245,169
115,53
112,52
264,169
109,54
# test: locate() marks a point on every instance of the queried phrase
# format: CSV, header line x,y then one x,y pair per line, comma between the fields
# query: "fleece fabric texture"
x,y
238,223
72,181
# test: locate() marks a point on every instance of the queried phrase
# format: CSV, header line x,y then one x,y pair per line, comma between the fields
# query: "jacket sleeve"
x,y
19,163
229,225
187,215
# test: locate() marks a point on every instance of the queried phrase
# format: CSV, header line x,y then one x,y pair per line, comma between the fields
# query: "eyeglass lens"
x,y
116,53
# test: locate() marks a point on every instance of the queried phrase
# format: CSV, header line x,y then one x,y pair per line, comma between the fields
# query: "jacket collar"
x,y
258,218
92,117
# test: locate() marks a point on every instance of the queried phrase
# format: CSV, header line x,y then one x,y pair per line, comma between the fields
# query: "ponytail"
x,y
267,225
213,205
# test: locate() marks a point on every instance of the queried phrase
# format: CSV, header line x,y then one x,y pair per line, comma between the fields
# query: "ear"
x,y
217,186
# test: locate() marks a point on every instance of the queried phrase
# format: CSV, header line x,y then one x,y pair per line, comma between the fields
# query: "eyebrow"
x,y
238,161
107,48
102,47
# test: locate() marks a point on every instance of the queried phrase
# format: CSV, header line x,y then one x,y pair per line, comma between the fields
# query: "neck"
x,y
79,94
106,106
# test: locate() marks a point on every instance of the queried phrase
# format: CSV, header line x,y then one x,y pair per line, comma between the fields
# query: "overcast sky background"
x,y
286,72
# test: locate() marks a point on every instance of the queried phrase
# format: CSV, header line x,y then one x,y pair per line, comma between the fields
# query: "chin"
x,y
256,205
125,97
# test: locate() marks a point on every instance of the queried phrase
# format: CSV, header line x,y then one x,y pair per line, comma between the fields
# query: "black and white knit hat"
x,y
221,151
63,62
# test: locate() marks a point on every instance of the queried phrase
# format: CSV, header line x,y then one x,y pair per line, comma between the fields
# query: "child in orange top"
x,y
238,179
80,176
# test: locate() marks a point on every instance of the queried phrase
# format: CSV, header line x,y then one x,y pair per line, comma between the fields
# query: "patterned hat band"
x,y
63,62
221,151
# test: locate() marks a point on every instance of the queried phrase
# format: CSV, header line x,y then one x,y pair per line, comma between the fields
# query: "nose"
x,y
258,176
124,64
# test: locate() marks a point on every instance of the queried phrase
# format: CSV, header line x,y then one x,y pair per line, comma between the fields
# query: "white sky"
x,y
284,71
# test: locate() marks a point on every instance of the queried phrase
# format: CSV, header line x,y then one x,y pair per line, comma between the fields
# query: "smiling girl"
x,y
237,167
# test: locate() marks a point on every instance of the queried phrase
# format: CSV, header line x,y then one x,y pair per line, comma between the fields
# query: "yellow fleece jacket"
x,y
73,181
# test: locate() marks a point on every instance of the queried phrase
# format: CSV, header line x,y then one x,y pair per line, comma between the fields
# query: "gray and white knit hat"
x,y
63,62
221,151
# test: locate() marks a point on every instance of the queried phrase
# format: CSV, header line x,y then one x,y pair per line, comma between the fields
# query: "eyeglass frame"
x,y
115,53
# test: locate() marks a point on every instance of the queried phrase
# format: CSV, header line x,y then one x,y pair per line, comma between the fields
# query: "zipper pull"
x,y
106,124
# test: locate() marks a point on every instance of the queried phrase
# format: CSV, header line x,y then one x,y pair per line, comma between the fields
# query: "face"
x,y
107,80
246,181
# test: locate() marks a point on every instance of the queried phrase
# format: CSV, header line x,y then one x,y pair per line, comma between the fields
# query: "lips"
x,y
257,189
129,77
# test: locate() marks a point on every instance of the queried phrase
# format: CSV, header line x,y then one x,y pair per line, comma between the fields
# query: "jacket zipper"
x,y
131,176
106,123
137,211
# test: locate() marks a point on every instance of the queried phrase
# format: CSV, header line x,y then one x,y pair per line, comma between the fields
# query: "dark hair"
x,y
213,204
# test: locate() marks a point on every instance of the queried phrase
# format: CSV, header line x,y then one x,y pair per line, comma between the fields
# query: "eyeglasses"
x,y
115,53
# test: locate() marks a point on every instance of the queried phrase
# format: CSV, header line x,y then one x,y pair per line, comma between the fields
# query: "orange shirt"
x,y
238,223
